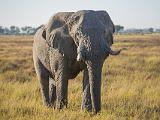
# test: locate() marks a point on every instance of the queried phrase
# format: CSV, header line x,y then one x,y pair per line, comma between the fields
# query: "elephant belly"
x,y
75,68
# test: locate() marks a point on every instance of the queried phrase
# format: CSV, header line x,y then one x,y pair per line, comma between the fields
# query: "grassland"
x,y
130,85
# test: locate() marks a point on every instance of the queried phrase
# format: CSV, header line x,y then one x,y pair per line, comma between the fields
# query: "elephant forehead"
x,y
89,21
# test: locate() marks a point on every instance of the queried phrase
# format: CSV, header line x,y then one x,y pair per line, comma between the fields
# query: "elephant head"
x,y
92,33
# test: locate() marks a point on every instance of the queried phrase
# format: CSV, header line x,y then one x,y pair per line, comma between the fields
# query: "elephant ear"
x,y
106,20
44,34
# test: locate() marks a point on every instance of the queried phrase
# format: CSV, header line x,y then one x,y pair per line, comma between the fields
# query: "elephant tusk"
x,y
79,57
111,52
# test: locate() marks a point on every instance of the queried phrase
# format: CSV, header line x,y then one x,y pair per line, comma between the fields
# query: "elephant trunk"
x,y
94,70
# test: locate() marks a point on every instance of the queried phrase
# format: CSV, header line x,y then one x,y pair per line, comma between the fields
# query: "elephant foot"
x,y
52,105
86,107
61,104
47,104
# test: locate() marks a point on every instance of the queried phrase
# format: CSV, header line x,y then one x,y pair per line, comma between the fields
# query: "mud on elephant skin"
x,y
69,43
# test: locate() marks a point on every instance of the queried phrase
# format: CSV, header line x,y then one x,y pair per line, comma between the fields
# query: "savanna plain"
x,y
130,82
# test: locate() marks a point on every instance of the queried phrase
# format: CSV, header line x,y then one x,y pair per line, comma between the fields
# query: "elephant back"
x,y
56,21
41,48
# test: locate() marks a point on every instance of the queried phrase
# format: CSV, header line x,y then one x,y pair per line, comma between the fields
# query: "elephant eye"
x,y
104,32
77,18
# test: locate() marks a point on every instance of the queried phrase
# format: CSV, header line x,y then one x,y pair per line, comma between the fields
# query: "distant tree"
x,y
6,31
17,30
1,30
31,31
14,30
118,28
157,30
151,30
25,29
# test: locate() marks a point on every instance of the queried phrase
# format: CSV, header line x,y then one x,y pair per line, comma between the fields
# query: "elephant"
x,y
69,43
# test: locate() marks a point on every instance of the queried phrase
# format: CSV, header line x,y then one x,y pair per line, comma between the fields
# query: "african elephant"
x,y
69,43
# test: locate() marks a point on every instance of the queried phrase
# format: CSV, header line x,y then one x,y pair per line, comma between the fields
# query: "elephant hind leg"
x,y
86,100
43,77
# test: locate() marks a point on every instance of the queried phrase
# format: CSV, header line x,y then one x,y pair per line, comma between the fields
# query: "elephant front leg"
x,y
86,100
45,90
43,77
52,92
61,91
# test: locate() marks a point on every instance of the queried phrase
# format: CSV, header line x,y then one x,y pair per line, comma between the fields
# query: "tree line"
x,y
28,30
15,30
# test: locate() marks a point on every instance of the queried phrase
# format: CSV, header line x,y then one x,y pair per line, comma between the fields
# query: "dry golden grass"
x,y
130,82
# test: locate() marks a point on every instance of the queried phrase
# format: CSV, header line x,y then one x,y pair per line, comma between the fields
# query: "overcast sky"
x,y
129,13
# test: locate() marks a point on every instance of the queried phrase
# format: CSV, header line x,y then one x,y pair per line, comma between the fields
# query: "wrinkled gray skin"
x,y
69,43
